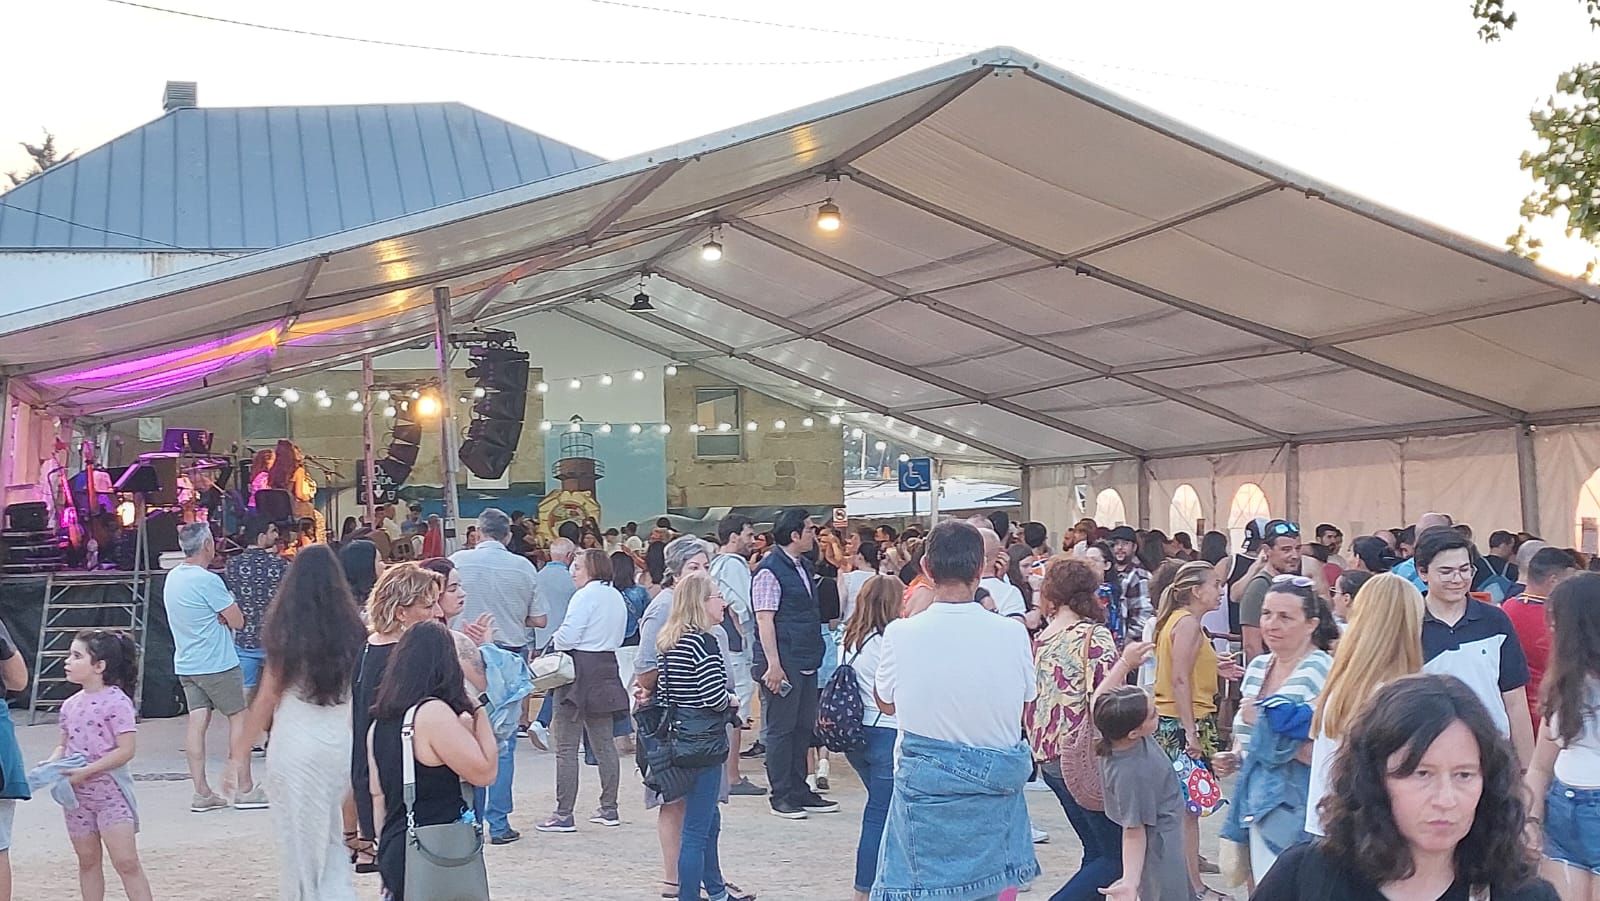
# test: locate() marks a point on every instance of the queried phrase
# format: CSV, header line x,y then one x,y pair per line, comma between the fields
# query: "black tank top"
x,y
438,800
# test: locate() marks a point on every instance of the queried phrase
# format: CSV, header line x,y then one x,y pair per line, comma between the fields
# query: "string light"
x,y
779,425
290,395
672,369
415,394
835,419
358,407
255,399
324,401
389,411
635,429
751,426
807,423
383,395
279,403
828,216
262,391
575,384
880,447
352,395
319,394
605,380
696,428
638,375
665,429
544,425
605,428
724,427
542,387
855,433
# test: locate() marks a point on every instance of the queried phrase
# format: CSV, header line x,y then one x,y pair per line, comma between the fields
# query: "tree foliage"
x,y
1565,167
44,155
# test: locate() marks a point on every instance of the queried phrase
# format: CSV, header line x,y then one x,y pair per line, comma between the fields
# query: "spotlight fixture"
x,y
635,429
638,375
428,406
542,387
672,369
641,304
828,216
605,380
291,396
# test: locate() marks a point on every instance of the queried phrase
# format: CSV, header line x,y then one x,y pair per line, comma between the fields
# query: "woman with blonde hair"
x,y
1382,643
404,596
693,676
877,604
1186,682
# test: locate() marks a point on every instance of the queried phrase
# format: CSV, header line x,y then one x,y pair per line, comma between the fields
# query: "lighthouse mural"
x,y
576,471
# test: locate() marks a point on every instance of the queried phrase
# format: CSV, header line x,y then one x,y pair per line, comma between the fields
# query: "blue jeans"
x,y
1102,845
875,765
702,824
493,805
1572,826
251,662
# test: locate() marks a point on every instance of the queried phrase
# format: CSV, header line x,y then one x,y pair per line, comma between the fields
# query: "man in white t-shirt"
x,y
956,672
1007,598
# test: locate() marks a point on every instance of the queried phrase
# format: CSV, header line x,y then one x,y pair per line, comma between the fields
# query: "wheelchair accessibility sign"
x,y
916,474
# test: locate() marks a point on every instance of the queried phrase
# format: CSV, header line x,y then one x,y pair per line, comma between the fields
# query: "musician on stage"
x,y
288,473
261,471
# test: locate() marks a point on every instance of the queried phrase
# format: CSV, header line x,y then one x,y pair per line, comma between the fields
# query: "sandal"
x,y
670,890
736,893
363,852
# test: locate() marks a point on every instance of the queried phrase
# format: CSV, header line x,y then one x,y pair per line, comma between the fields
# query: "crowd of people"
x,y
1414,719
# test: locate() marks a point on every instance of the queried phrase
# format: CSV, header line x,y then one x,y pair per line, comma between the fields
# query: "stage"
x,y
22,599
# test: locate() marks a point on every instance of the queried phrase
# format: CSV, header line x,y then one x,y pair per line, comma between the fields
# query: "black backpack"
x,y
840,713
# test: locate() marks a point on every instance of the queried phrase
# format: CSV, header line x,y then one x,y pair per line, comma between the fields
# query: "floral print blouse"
x,y
1064,691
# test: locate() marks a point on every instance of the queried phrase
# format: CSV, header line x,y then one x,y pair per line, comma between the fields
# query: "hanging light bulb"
x,y
575,384
383,395
695,428
291,395
779,425
605,380
479,391
428,406
807,423
415,394
253,399
324,401
358,407
352,395
724,427
904,457
464,399
279,403
856,434
751,426
542,387
575,427
672,369
834,419
638,375
711,251
544,425
320,393
828,216
605,428
389,411
880,447
635,429
665,429
262,391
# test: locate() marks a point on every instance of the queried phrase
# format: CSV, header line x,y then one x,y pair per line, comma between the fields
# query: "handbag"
x,y
443,862
553,669
694,737
1080,763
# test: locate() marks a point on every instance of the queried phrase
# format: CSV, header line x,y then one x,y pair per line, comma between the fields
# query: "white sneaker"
x,y
539,734
1040,836
811,782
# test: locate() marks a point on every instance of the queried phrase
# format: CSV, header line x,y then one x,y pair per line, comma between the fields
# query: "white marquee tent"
x,y
1030,267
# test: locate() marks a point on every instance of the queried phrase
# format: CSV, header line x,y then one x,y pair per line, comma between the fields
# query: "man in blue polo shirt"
x,y
1471,640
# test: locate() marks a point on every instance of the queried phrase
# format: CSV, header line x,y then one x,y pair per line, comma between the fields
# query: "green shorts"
x,y
222,692
1169,735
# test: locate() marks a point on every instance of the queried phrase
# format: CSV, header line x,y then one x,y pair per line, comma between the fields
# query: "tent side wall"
x,y
1360,486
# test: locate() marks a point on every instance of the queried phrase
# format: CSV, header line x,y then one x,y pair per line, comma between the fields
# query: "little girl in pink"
x,y
98,723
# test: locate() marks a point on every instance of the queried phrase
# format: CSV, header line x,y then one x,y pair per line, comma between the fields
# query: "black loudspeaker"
x,y
166,473
32,516
161,532
491,444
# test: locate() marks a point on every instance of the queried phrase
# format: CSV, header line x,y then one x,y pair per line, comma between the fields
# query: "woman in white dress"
x,y
312,637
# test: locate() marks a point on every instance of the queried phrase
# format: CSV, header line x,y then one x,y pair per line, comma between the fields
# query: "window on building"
x,y
1586,522
717,412
1109,510
1249,502
1185,514
261,422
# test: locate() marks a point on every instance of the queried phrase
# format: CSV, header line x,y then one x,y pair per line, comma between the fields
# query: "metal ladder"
x,y
124,605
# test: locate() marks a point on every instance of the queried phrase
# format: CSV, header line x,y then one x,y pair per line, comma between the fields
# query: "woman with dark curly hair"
x,y
1426,803
1071,657
311,636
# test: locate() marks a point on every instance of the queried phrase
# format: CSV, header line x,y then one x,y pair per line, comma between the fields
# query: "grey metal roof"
x,y
251,178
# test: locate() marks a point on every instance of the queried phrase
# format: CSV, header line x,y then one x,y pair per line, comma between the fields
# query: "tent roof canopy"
x,y
1029,265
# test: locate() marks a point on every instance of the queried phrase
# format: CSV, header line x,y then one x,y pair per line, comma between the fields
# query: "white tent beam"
x,y
877,359
935,405
1449,317
776,369
954,89
1160,365
630,198
811,254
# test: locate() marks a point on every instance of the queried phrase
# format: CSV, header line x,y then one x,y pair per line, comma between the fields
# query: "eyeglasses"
x,y
1292,579
1451,573
1281,529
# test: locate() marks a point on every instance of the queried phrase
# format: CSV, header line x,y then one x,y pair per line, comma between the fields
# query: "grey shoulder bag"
x,y
443,862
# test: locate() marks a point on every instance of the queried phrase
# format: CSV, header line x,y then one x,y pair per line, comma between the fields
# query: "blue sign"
x,y
916,474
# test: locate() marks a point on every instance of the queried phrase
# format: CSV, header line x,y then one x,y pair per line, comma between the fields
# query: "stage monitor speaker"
x,y
31,516
161,532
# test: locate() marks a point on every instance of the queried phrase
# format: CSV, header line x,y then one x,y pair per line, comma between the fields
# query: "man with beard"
x,y
1133,579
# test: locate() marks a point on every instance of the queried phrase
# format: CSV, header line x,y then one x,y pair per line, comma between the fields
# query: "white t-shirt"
x,y
1007,597
1578,764
958,673
849,586
865,662
1322,750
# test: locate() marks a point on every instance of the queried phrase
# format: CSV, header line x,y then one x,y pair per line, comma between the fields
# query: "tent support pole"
x,y
369,464
1528,479
1144,494
7,434
1027,493
933,493
1291,482
449,454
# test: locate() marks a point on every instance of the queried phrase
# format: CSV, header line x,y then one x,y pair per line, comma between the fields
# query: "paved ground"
x,y
231,854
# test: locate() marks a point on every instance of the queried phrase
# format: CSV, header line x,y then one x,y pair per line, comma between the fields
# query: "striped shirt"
x,y
693,673
1303,686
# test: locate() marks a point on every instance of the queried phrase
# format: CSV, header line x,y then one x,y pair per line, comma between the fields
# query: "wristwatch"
x,y
483,699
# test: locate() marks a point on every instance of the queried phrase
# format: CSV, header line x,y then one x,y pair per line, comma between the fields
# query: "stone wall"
x,y
794,466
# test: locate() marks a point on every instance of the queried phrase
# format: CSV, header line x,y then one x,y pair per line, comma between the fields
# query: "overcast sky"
x,y
1405,105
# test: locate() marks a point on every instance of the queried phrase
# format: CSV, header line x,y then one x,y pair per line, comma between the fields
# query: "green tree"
x,y
44,155
1565,166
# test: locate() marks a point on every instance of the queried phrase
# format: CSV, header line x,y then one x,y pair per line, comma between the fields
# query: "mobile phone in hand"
x,y
784,688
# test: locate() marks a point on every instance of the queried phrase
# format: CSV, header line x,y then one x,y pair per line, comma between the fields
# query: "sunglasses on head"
x,y
1292,579
1282,529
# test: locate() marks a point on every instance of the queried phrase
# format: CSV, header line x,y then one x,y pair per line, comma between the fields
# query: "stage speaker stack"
x,y
30,542
500,371
405,441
